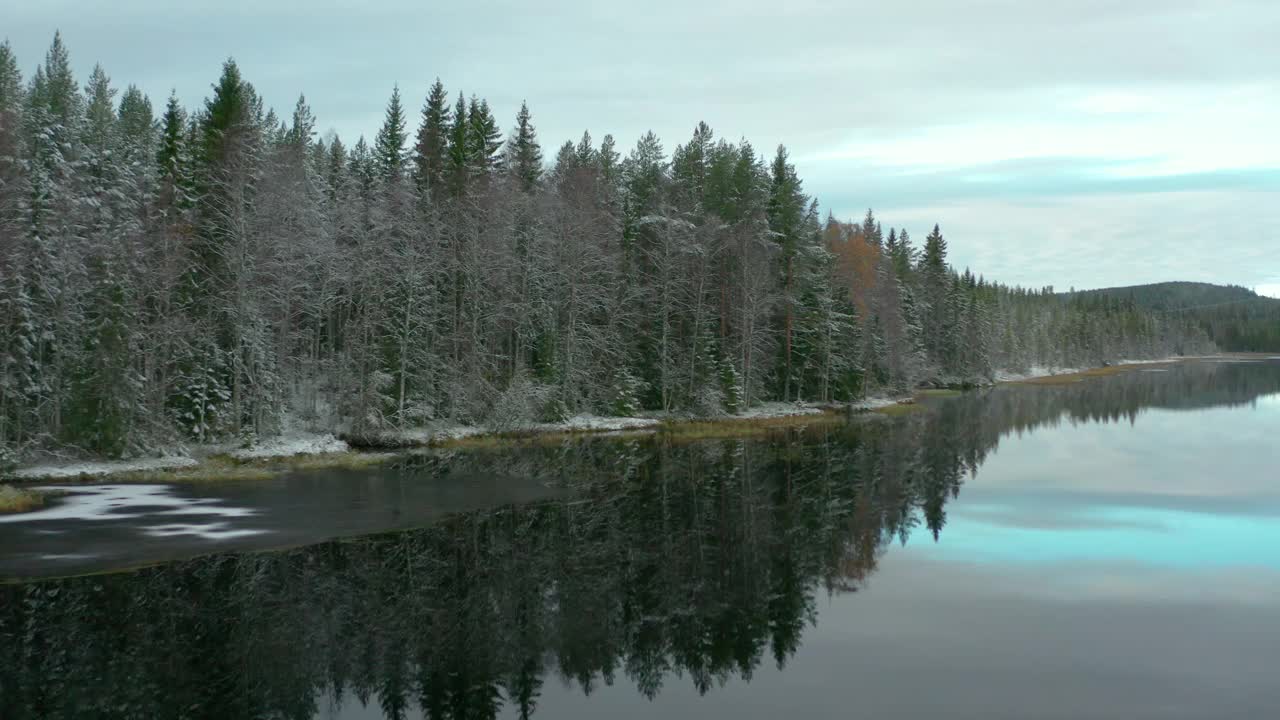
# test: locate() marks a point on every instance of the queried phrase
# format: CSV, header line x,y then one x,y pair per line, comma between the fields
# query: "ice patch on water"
x,y
107,503
212,531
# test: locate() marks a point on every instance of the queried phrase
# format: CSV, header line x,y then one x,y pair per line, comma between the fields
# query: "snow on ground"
x,y
777,409
875,403
1035,371
427,435
293,444
579,423
104,467
1038,371
595,423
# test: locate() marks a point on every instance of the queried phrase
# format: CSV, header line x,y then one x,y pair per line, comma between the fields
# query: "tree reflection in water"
x,y
670,561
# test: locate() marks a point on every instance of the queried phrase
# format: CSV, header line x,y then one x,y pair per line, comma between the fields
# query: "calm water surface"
x,y
1105,549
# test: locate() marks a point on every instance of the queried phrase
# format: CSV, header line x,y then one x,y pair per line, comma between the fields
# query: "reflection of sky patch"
x,y
1157,536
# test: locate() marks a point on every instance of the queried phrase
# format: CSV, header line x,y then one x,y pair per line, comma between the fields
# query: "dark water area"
x,y
1104,549
100,527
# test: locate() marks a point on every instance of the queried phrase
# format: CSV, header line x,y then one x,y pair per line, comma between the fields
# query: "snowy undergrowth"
x,y
777,409
289,445
103,467
1040,371
875,403
596,423
1035,371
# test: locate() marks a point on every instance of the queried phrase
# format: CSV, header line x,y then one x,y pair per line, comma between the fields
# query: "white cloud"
x,y
859,92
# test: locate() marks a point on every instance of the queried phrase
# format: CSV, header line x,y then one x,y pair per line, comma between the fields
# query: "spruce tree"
x,y
610,161
388,148
58,94
100,117
431,148
136,125
787,206
11,94
936,282
484,139
524,155
459,165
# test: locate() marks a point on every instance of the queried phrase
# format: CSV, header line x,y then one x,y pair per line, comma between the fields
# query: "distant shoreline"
x,y
279,456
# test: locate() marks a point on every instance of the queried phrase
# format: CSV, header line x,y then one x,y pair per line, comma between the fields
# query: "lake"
x,y
1098,549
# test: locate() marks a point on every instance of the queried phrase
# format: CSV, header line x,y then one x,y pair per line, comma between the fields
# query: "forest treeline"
x,y
171,273
1237,319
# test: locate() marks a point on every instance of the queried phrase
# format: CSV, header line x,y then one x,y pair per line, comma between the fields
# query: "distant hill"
x,y
1237,318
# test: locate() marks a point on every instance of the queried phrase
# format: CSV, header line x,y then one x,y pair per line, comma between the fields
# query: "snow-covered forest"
x,y
171,273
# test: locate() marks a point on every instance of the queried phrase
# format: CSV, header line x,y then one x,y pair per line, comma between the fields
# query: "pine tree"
x,y
524,155
904,255
787,206
388,148
936,283
100,114
226,248
460,147
58,94
431,149
690,164
11,94
484,138
136,125
871,229
610,164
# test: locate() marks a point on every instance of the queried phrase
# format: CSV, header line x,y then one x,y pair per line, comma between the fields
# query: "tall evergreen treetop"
x,y
524,155
934,259
58,94
173,131
302,126
585,150
484,137
100,112
388,148
871,229
644,175
689,163
136,123
11,95
459,163
610,160
228,115
336,170
432,146
787,202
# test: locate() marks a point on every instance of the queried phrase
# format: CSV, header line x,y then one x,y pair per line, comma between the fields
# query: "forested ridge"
x,y
1236,318
172,273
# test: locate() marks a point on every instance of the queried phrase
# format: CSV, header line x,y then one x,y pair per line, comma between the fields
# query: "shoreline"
x,y
318,451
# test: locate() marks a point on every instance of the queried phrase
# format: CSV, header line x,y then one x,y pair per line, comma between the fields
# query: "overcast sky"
x,y
1086,143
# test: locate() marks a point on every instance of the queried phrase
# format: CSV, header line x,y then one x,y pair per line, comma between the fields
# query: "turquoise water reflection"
x,y
1173,488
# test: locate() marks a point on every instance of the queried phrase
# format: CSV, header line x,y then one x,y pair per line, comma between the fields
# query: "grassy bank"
x,y
16,500
220,468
